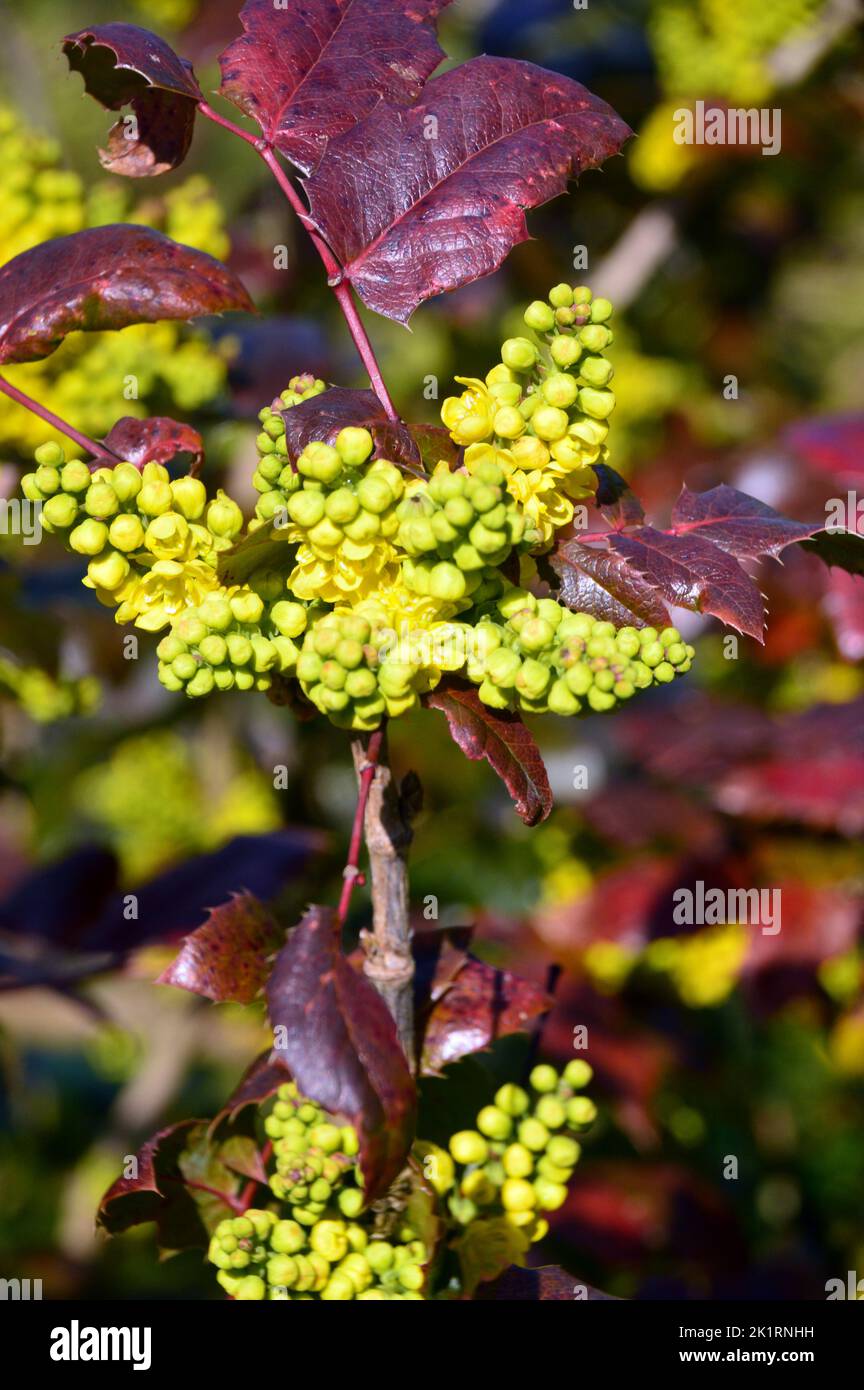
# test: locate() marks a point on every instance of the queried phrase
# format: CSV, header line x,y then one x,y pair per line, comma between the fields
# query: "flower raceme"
x,y
491,1188
394,580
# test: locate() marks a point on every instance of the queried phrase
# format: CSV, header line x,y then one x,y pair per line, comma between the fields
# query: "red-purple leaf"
x,y
307,72
322,417
106,278
479,1005
228,958
694,573
124,65
418,201
736,522
261,1079
503,740
599,582
337,1037
158,440
549,1282
158,1191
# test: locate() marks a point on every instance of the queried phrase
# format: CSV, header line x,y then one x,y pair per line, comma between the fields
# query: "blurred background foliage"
x,y
709,1044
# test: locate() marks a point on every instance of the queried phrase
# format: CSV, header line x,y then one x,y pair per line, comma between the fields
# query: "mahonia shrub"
x,y
489,567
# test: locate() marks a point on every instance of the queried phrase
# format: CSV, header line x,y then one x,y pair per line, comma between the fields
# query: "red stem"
x,y
351,872
247,1196
89,445
335,274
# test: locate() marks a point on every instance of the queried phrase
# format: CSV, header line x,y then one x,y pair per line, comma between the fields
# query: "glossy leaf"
x,y
157,1191
124,65
470,1011
155,440
693,573
228,958
307,72
418,201
595,580
502,740
736,522
335,1034
322,417
106,278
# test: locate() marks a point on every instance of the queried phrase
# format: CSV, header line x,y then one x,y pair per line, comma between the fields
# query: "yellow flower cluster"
x,y
541,413
94,378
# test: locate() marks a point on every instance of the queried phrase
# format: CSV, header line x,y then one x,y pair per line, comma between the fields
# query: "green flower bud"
x,y
201,683
595,337
75,477
544,1078
354,446
494,1123
517,1161
100,501
47,479
350,1201
549,422
518,1195
597,371
561,296
247,607
379,1256
565,350
512,1099
287,1237
321,462
540,317
563,1152
214,649
534,1135
252,1288
90,538
581,1112
520,354
550,1195
508,422
50,454
216,614
224,517
560,389
190,497
290,618
109,571
550,1112
155,498
598,404
30,489
601,310
59,512
446,581
126,482
184,666
468,1146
